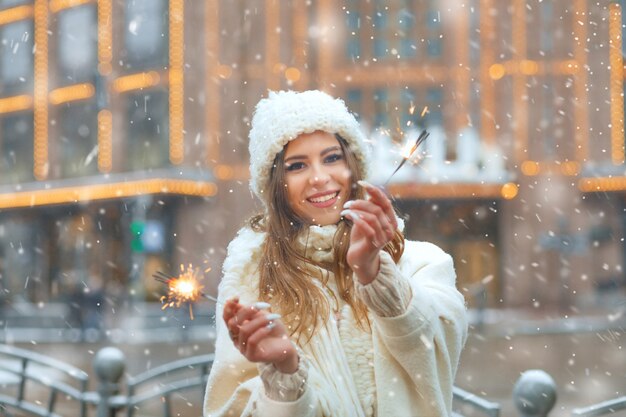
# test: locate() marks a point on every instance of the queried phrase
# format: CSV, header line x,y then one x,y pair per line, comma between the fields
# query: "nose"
x,y
319,176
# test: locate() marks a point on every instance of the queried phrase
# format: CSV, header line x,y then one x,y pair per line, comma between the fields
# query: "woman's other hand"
x,y
259,335
374,225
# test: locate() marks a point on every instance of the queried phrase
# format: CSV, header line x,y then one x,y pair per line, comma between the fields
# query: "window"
x,y
407,101
354,101
381,108
146,35
18,259
78,141
77,39
434,30
16,58
147,133
16,148
434,98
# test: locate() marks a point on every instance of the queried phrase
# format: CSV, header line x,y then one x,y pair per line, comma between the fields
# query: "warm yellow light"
x,y
278,68
528,67
58,5
497,71
292,74
616,83
40,99
72,93
15,103
602,184
136,81
105,37
15,13
105,139
224,172
70,195
530,168
569,66
509,191
224,71
176,80
570,168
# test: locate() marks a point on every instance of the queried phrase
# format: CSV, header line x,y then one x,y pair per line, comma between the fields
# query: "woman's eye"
x,y
333,158
295,166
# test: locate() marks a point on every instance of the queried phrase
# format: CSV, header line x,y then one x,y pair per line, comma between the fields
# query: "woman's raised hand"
x,y
259,335
374,225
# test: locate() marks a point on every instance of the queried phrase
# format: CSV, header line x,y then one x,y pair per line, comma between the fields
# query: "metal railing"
x,y
534,393
22,368
601,409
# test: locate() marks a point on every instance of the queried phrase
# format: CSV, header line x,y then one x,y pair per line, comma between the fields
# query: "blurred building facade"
x,y
123,135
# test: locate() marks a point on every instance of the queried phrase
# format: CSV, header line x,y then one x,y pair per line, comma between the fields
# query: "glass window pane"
x,y
16,57
16,148
78,142
77,44
381,108
146,37
354,101
434,98
148,127
18,260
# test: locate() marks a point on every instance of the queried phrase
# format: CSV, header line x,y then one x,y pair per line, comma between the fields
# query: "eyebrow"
x,y
324,152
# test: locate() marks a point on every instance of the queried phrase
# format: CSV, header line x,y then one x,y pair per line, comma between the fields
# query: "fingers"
x,y
255,330
378,197
387,229
235,315
230,308
369,225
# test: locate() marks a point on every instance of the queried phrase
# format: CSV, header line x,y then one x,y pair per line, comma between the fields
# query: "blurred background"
x,y
123,151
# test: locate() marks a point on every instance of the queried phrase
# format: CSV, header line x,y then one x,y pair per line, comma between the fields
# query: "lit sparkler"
x,y
185,288
408,152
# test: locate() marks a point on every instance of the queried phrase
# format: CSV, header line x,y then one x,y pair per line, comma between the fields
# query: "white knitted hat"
x,y
284,115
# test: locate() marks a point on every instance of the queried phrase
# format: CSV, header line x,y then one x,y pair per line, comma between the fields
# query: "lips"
x,y
323,200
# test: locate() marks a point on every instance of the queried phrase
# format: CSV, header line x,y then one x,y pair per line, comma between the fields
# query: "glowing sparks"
x,y
183,289
424,111
408,151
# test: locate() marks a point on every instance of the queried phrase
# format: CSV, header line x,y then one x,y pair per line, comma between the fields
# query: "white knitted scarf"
x,y
341,352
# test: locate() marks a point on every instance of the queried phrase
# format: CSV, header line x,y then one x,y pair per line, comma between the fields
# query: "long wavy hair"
x,y
285,272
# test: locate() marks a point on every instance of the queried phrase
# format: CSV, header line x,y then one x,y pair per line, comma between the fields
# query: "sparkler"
x,y
185,288
407,155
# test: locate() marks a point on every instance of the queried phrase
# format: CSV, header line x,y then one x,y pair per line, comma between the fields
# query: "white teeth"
x,y
323,198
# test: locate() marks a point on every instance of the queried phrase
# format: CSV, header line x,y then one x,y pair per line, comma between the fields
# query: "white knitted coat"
x,y
404,368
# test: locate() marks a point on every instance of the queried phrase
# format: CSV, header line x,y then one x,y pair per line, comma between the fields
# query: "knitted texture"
x,y
284,115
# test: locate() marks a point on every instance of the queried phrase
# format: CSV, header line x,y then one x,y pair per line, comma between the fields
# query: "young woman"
x,y
325,309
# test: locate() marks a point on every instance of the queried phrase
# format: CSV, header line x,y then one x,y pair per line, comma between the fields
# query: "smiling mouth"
x,y
324,198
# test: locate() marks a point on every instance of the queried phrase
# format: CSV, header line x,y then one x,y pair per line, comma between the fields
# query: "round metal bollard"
x,y
534,393
109,365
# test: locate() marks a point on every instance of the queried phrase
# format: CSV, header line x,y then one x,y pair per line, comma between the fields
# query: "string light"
x,y
176,80
105,37
105,139
58,5
136,81
15,103
72,93
41,90
92,192
15,14
616,83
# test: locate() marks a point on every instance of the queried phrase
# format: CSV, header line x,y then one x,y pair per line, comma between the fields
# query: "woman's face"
x,y
317,177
